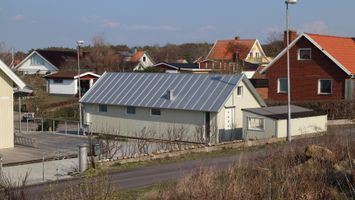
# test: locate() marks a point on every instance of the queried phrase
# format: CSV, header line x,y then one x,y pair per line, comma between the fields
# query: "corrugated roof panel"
x,y
202,92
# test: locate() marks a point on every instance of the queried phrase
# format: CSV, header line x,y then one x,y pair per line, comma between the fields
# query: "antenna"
x,y
12,58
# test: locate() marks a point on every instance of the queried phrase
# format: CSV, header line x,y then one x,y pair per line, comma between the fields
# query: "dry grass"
x,y
287,174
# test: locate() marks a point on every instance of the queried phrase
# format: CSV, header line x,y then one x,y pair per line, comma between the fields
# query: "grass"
x,y
138,193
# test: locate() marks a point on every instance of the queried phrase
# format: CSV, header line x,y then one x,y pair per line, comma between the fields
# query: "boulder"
x,y
319,153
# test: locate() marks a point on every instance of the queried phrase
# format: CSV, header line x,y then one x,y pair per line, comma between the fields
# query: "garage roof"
x,y
199,92
280,112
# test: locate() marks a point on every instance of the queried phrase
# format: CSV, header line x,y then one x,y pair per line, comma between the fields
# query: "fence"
x,y
48,125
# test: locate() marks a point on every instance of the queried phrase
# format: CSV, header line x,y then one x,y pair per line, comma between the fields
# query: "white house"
x,y
8,80
66,83
268,122
44,61
189,107
140,60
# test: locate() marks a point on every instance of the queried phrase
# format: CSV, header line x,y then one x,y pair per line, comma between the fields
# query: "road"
x,y
146,176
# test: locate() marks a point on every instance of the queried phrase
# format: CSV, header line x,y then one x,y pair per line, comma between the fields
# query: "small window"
x,y
58,81
257,55
282,85
304,54
240,90
155,112
255,123
102,108
131,110
325,86
144,58
251,54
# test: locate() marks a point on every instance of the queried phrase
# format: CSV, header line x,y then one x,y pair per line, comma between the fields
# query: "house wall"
x,y
68,87
116,121
269,127
255,49
43,68
305,75
300,126
6,110
147,63
247,100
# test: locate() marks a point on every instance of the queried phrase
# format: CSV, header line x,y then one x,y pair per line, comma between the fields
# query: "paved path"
x,y
48,145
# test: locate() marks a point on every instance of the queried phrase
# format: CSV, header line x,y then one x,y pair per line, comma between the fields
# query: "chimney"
x,y
237,38
170,95
292,36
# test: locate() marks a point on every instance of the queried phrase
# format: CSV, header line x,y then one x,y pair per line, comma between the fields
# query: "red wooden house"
x,y
322,68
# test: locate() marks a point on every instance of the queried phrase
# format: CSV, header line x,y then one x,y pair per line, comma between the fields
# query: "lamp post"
x,y
79,42
287,2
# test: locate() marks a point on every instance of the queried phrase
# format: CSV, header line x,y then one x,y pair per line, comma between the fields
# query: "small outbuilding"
x,y
186,107
66,83
268,122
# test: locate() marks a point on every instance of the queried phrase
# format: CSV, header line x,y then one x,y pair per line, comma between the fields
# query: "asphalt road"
x,y
146,176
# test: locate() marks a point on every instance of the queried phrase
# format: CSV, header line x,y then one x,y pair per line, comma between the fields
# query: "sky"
x,y
27,24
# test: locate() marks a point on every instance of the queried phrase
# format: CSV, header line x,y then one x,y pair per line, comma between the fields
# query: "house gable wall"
x,y
247,100
6,110
305,75
44,66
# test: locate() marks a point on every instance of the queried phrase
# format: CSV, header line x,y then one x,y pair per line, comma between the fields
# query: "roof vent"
x,y
170,95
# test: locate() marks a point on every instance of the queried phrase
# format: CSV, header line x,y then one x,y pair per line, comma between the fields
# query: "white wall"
x,y
300,126
246,100
27,68
116,121
68,87
147,63
6,110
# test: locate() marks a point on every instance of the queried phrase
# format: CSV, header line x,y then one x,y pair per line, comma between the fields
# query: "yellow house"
x,y
8,80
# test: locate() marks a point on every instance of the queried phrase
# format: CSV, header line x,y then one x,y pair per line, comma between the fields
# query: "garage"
x,y
271,122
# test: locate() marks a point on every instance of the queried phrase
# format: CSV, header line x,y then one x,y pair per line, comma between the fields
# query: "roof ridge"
x,y
326,35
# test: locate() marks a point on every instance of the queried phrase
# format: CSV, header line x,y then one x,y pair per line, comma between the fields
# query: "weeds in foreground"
x,y
286,174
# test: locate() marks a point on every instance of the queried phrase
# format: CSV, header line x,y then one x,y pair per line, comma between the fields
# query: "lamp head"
x,y
291,1
80,42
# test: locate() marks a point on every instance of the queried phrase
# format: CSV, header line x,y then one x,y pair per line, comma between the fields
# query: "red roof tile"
x,y
340,48
136,56
224,49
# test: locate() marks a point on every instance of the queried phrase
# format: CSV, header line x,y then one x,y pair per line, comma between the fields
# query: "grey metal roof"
x,y
280,112
200,92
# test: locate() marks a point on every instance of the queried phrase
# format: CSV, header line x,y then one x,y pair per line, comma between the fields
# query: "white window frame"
x,y
278,86
299,53
151,112
101,110
128,113
256,129
319,85
241,91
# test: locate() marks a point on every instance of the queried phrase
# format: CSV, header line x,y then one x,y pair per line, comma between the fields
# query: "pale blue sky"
x,y
27,24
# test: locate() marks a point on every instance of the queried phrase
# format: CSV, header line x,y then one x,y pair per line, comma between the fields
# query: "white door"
x,y
229,119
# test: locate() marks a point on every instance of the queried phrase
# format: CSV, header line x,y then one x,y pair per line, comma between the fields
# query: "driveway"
x,y
48,145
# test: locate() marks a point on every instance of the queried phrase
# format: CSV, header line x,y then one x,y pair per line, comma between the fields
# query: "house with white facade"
x,y
66,83
140,60
8,80
45,61
190,107
271,122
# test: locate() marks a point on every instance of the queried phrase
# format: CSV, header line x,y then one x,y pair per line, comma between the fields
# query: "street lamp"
x,y
79,42
287,2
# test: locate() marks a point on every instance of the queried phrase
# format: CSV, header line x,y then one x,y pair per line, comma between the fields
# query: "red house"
x,y
322,68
